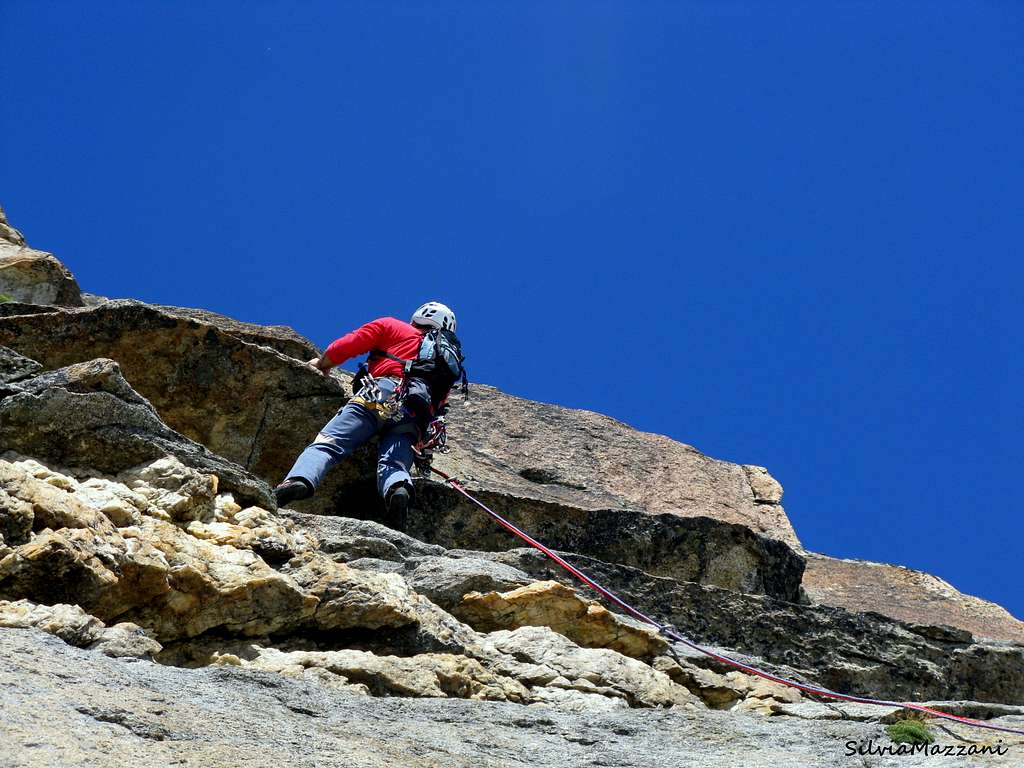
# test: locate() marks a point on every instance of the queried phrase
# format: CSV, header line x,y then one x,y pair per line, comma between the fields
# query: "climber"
x,y
395,395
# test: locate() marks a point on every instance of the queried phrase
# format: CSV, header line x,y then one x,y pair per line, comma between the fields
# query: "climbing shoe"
x,y
398,508
292,489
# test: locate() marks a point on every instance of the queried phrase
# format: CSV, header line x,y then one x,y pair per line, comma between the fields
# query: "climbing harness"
x,y
670,632
372,397
438,364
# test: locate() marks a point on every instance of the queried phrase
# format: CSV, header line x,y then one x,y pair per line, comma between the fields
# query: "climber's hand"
x,y
322,364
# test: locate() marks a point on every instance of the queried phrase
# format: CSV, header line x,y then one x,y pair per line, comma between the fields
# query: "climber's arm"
x,y
358,342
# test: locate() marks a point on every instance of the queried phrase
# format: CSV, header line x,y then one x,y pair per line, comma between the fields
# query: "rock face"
x,y
850,652
554,605
14,367
192,571
583,460
35,277
118,550
576,673
245,401
905,594
31,276
279,337
75,627
259,408
88,415
347,539
160,546
69,707
9,233
136,444
700,549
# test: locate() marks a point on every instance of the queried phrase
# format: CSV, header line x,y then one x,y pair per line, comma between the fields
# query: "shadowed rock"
x,y
699,549
14,366
88,415
850,652
247,402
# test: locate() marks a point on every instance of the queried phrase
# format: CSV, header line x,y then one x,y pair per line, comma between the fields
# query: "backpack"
x,y
438,364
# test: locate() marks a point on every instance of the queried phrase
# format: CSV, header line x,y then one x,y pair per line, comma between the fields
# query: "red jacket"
x,y
398,337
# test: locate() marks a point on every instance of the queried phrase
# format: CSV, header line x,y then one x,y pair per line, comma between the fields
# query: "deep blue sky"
x,y
785,233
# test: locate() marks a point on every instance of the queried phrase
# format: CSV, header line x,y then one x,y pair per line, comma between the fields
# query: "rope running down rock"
x,y
668,631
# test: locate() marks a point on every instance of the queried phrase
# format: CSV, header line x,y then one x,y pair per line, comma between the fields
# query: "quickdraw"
x,y
434,441
371,396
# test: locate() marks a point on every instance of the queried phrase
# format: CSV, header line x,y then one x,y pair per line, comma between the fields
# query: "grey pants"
x,y
353,426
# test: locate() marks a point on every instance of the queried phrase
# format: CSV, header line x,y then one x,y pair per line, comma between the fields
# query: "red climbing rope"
x,y
670,632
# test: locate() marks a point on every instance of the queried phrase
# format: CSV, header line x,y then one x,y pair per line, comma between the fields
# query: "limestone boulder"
x,y
151,547
17,515
181,493
447,580
346,539
554,605
596,672
212,586
425,675
154,573
48,499
716,690
108,576
9,233
75,627
72,552
34,277
351,599
274,544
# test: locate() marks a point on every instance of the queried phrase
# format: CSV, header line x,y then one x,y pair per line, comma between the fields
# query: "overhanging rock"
x,y
88,415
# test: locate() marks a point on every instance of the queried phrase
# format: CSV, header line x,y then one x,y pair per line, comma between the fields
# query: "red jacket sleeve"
x,y
370,336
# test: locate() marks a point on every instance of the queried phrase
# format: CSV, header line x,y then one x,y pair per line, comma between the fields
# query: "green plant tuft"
x,y
4,298
910,732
